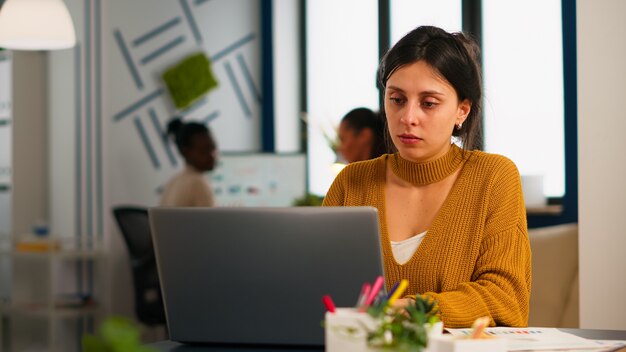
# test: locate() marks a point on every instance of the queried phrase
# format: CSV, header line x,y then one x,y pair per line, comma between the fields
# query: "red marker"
x,y
328,302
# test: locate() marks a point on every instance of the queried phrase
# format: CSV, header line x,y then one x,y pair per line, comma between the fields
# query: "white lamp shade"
x,y
36,25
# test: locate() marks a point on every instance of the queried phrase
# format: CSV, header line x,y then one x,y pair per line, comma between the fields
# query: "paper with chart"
x,y
541,339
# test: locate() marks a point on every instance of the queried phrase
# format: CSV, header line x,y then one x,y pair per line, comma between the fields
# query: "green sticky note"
x,y
189,80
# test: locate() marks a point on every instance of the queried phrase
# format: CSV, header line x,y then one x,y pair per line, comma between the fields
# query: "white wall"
x,y
286,50
601,46
30,163
62,144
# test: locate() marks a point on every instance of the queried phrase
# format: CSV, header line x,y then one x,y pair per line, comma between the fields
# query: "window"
x,y
342,59
522,52
523,79
408,14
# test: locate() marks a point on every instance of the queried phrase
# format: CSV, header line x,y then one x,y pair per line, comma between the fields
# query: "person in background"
x,y
361,135
452,220
190,188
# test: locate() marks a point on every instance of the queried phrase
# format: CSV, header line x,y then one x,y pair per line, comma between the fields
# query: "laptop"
x,y
257,275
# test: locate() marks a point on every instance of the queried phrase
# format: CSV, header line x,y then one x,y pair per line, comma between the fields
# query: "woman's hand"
x,y
403,302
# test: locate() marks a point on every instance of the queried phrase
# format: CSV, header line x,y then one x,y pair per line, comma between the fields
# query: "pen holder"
x,y
347,330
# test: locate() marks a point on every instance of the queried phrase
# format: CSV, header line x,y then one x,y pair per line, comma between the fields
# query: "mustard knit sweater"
x,y
475,259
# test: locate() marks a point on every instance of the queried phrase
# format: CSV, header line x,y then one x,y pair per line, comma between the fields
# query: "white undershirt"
x,y
404,250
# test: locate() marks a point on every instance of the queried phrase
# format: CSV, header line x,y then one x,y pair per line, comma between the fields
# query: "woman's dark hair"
x,y
455,57
183,132
361,118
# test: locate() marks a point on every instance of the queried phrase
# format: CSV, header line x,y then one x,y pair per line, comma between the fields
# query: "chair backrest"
x,y
554,296
135,227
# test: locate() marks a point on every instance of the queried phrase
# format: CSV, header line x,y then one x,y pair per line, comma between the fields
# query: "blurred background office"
x,y
80,128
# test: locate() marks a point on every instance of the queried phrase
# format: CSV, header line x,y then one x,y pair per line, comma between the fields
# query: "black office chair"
x,y
135,227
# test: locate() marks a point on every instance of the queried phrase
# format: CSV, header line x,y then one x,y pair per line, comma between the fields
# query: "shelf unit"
x,y
37,280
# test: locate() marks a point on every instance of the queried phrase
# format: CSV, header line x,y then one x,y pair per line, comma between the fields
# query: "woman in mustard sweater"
x,y
452,220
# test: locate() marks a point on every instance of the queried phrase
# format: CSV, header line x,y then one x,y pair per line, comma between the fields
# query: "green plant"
x,y
308,200
189,80
333,141
116,334
403,329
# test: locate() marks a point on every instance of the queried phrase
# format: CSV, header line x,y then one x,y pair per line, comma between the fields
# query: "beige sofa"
x,y
554,296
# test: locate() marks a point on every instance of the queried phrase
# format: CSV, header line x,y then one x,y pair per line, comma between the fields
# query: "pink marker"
x,y
365,290
372,294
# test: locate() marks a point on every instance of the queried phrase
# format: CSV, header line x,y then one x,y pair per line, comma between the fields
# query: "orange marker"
x,y
479,326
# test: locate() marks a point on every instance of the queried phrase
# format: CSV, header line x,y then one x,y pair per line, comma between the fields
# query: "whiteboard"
x,y
259,179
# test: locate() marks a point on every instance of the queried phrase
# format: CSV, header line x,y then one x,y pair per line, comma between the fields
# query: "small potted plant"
x,y
404,329
383,328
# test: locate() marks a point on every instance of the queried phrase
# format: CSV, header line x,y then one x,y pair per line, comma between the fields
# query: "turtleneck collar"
x,y
420,174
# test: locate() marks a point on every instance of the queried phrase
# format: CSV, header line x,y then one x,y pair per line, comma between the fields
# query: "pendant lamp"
x,y
36,25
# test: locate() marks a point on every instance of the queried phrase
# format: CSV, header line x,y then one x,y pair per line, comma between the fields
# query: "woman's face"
x,y
202,153
422,110
354,145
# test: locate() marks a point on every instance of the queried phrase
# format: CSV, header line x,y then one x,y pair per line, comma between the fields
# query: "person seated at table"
x,y
452,220
361,135
190,187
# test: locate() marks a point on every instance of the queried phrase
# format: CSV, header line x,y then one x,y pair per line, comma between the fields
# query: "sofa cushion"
x,y
554,295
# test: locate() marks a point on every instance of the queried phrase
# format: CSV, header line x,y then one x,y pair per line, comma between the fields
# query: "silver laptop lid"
x,y
257,275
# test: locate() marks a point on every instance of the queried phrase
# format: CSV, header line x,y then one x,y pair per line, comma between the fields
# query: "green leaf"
x,y
120,333
406,326
116,334
91,343
308,200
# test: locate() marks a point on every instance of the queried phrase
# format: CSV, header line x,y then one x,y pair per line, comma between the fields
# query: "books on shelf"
x,y
29,243
74,301
37,246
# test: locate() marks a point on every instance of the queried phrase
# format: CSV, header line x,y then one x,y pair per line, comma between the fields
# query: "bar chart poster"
x,y
258,179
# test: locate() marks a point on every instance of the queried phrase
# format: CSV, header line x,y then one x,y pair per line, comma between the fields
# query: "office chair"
x,y
135,228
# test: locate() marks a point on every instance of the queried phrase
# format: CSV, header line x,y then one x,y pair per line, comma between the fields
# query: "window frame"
x,y
562,209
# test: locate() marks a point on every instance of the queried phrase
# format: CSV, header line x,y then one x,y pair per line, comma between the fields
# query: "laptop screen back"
x,y
257,275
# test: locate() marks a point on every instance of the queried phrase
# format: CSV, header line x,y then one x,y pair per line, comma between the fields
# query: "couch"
x,y
555,294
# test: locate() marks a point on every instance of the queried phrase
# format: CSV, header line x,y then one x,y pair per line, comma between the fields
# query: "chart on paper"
x,y
542,339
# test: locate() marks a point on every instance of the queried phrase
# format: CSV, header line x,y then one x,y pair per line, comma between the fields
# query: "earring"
x,y
458,127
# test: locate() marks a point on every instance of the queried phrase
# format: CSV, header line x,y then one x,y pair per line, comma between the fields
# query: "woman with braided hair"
x,y
190,187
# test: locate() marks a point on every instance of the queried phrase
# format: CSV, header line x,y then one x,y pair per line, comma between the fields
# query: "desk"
x,y
171,346
177,347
